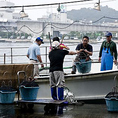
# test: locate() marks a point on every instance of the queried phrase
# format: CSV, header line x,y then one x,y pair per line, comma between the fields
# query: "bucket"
x,y
28,93
7,97
112,99
112,104
83,66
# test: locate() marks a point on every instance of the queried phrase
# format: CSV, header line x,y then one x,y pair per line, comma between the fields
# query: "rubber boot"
x,y
54,93
73,69
61,93
60,111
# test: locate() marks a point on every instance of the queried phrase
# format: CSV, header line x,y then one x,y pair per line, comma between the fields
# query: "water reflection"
x,y
7,110
53,109
71,111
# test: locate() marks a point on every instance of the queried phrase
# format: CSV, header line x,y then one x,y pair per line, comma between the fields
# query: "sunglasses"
x,y
85,40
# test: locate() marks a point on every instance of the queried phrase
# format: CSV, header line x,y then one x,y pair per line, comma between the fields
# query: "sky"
x,y
38,12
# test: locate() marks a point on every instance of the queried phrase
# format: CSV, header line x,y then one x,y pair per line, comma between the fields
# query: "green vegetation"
x,y
13,35
79,35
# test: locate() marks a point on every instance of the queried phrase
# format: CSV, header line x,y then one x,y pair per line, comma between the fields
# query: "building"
x,y
8,19
54,17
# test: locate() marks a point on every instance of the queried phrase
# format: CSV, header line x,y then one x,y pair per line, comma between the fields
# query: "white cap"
x,y
55,44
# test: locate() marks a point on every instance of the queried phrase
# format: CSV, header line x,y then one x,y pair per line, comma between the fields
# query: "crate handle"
x,y
10,83
4,73
3,84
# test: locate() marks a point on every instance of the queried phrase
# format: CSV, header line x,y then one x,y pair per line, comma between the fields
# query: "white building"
x,y
6,13
54,17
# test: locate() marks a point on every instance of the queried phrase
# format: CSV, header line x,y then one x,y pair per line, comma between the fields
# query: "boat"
x,y
100,39
89,86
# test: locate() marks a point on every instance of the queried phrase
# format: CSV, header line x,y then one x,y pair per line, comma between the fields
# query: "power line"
x,y
54,25
98,19
31,29
68,5
5,28
104,17
64,27
44,27
69,2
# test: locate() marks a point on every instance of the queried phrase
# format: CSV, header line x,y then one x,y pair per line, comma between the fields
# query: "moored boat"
x,y
90,86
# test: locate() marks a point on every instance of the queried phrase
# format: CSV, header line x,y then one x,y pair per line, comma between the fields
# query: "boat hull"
x,y
84,86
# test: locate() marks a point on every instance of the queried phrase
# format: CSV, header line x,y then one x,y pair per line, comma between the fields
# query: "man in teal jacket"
x,y
108,52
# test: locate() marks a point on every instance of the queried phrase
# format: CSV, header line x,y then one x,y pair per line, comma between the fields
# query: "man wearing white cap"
x,y
56,57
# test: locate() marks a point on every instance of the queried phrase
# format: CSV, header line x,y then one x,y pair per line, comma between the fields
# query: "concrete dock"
x,y
71,111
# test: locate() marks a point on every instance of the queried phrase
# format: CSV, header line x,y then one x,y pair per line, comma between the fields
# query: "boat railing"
x,y
9,55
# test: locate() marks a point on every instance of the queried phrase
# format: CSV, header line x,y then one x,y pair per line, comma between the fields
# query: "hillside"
x,y
91,14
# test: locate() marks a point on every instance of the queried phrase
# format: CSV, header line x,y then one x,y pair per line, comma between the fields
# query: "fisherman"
x,y
34,55
84,51
107,51
62,46
56,57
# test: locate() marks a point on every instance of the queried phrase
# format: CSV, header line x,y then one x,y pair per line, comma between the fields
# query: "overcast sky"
x,y
35,13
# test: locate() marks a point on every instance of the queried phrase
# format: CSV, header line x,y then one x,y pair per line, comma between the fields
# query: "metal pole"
x,y
4,58
11,56
46,56
50,40
62,38
7,35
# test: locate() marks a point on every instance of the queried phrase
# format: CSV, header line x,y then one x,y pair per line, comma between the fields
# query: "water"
x,y
24,59
23,51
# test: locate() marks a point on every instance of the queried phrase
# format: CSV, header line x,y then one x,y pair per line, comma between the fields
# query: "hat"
x,y
39,39
55,44
56,39
108,34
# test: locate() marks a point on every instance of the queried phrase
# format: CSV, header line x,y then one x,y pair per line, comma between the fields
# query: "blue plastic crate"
x,y
28,93
83,66
112,104
7,97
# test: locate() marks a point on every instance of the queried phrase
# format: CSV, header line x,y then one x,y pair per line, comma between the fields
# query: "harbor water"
x,y
20,52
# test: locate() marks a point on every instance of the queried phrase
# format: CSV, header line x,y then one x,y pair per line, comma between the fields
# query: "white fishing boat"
x,y
90,86
100,39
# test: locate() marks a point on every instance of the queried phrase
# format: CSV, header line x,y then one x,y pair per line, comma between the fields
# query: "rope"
x,y
103,18
46,68
31,29
64,27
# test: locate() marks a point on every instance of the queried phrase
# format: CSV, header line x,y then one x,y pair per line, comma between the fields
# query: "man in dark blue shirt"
x,y
84,50
56,57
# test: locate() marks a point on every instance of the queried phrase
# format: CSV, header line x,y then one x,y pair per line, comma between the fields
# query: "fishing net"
x,y
69,96
83,66
30,83
7,88
113,94
83,62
